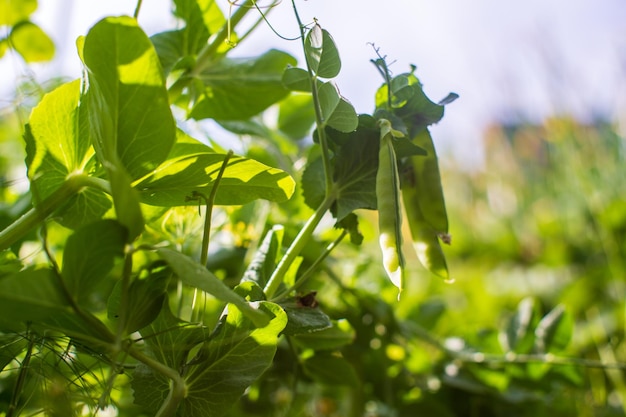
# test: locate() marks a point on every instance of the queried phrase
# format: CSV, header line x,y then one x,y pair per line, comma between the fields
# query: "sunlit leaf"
x,y
31,42
321,53
13,11
236,89
195,275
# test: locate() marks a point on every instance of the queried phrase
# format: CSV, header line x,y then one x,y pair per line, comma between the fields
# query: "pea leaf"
x,y
195,167
265,258
520,332
32,43
296,79
554,331
235,356
321,53
193,274
89,256
15,11
304,319
237,89
296,116
127,102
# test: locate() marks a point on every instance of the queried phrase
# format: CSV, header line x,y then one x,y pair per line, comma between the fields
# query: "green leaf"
x,y
264,261
554,331
297,79
235,356
244,180
56,132
329,99
328,369
127,102
145,299
356,165
321,53
333,337
125,200
33,296
237,89
303,319
296,116
344,117
314,183
31,42
89,256
15,11
195,275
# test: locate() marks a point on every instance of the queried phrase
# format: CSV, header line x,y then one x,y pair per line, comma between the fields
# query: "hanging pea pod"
x,y
425,208
388,202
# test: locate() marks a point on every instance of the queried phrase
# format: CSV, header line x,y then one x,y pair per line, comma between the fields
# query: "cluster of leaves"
x,y
24,36
117,302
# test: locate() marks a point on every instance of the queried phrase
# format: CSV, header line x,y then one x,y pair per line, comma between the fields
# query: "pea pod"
x,y
424,204
388,202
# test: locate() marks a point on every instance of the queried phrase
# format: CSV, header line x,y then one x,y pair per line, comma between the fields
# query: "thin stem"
x,y
319,118
124,299
21,378
204,254
309,272
136,14
296,247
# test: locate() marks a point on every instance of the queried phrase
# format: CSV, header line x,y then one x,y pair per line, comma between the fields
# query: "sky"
x,y
507,59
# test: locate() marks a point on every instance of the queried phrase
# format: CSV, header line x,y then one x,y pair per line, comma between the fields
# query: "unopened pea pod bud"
x,y
389,213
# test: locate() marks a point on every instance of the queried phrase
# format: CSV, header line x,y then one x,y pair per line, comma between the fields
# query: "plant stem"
x,y
19,228
296,247
319,118
136,14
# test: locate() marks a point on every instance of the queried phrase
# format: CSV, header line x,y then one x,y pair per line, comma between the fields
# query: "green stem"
x,y
309,272
19,228
136,14
319,118
178,389
204,255
296,247
21,378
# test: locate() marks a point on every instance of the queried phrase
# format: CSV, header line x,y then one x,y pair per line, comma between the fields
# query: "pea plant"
x,y
120,304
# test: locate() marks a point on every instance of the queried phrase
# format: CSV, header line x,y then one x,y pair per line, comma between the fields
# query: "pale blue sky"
x,y
530,58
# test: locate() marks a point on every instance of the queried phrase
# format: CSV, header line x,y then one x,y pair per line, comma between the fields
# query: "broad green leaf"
x,y
554,331
9,263
127,102
296,116
329,99
344,117
55,128
236,89
237,353
31,42
33,296
244,180
89,256
335,336
145,299
303,319
195,275
173,47
297,79
313,183
88,206
265,258
13,11
356,165
169,340
321,53
328,369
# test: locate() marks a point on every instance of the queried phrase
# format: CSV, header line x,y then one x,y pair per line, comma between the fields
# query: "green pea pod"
x,y
388,202
425,176
422,196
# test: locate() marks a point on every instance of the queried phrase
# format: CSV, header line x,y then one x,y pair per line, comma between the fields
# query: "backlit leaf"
x,y
321,53
31,42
